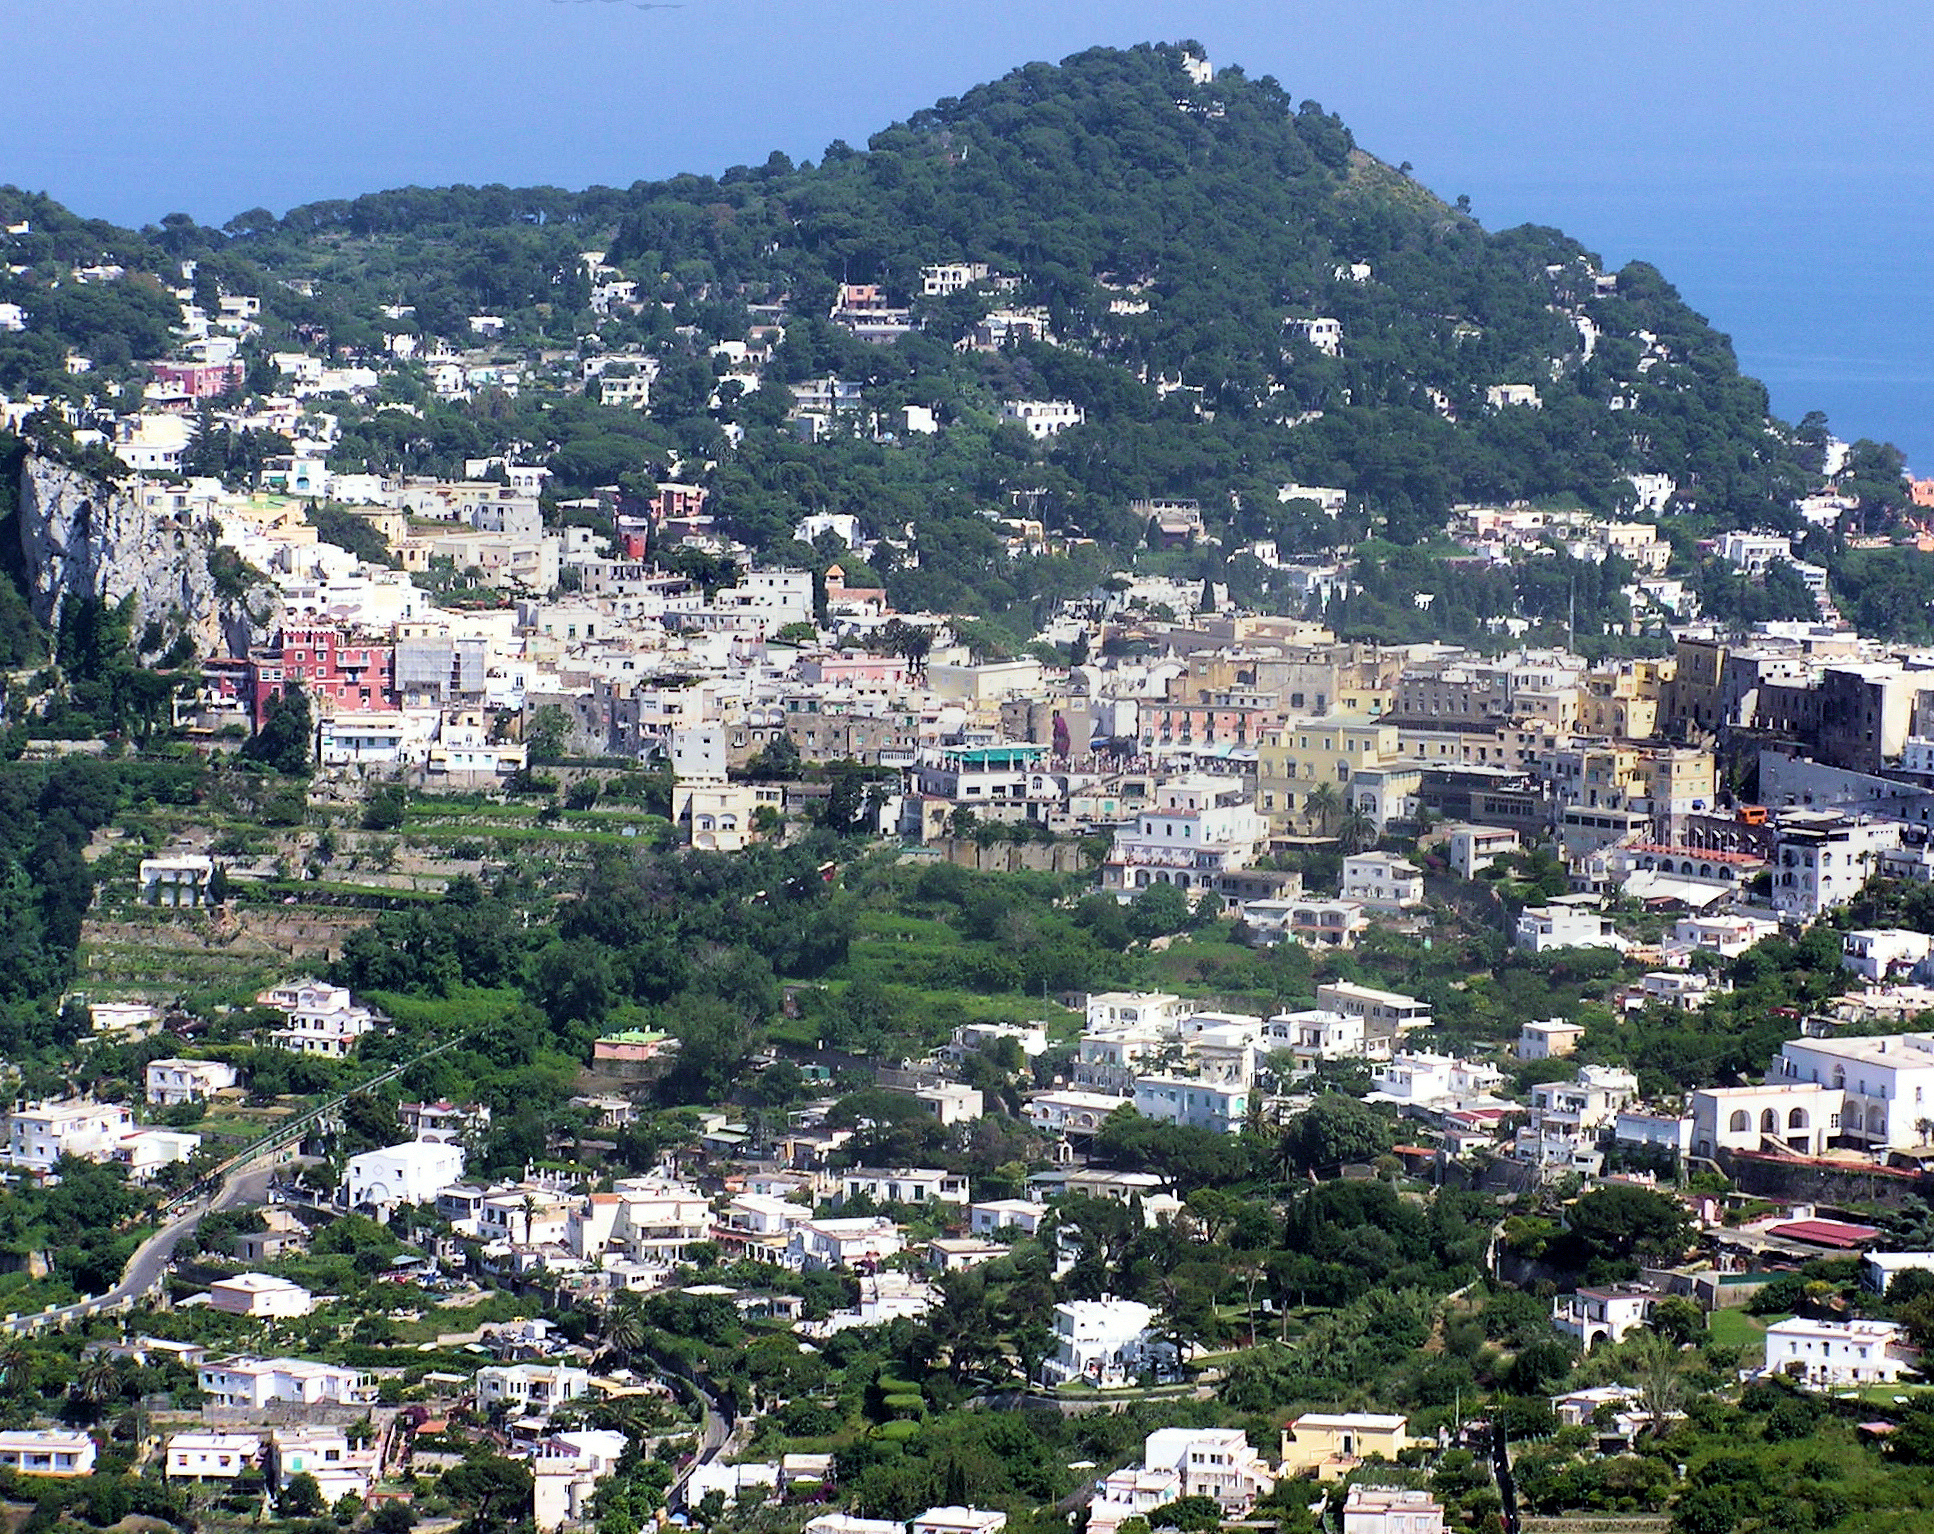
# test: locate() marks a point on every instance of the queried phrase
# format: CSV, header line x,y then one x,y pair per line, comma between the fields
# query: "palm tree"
x,y
1357,831
624,1324
98,1382
1659,1365
1322,805
16,1362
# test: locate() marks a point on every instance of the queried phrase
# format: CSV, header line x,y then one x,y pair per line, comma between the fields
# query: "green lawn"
x,y
1734,1328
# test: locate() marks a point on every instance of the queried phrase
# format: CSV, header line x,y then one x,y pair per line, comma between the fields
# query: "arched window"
x,y
1769,1122
1741,1121
1796,1119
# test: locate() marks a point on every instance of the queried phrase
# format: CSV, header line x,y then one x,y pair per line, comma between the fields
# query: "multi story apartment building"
x,y
1199,829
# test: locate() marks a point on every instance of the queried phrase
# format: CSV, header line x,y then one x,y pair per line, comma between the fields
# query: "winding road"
x,y
150,1259
237,1183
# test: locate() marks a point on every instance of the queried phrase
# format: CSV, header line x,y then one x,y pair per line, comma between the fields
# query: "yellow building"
x,y
1293,761
1695,700
1332,1444
1626,704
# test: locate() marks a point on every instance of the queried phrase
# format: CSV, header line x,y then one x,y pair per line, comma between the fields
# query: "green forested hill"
x,y
1237,206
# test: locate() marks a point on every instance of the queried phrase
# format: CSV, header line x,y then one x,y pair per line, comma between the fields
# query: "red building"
x,y
200,380
341,675
676,503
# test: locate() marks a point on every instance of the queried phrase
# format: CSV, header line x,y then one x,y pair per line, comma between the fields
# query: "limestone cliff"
x,y
83,536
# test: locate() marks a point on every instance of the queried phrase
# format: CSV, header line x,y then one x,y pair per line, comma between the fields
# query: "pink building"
x,y
200,380
855,670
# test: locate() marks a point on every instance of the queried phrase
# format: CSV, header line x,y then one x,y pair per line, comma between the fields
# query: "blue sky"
x,y
1774,159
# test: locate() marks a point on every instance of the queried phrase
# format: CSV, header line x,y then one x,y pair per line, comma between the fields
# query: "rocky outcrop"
x,y
83,536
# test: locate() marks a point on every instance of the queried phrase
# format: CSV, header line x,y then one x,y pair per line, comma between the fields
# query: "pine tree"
x,y
285,742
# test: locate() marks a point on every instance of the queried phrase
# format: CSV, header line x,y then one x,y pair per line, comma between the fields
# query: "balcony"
x,y
1154,857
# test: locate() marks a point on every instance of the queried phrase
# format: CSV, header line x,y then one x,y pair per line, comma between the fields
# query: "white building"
x,y
1836,1353
1801,1116
1320,1034
1822,860
847,1523
1548,1040
1043,418
39,1134
1062,1112
1220,1107
566,1469
1384,1013
863,1241
949,277
1568,1118
647,1219
1022,1214
1391,1509
1222,1046
1602,1315
146,1151
323,1019
951,1102
1590,1101
1505,396
255,1382
1109,1059
1383,881
1880,954
1755,552
1422,1078
46,1451
1324,333
533,1388
1311,920
341,1467
1157,1010
1887,1081
969,1038
730,1481
1199,828
1182,1462
212,1456
1878,1270
1542,928
1106,1342
1681,990
1472,849
176,881
260,1294
1654,1131
907,1185
445,1122
1216,1462
411,1173
1726,936
1133,1491
958,1520
171,1082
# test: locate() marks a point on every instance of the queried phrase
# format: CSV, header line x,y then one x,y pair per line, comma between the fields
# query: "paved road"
x,y
244,1179
716,1428
151,1257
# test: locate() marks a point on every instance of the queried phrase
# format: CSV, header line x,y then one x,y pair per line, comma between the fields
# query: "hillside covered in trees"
x,y
1174,231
